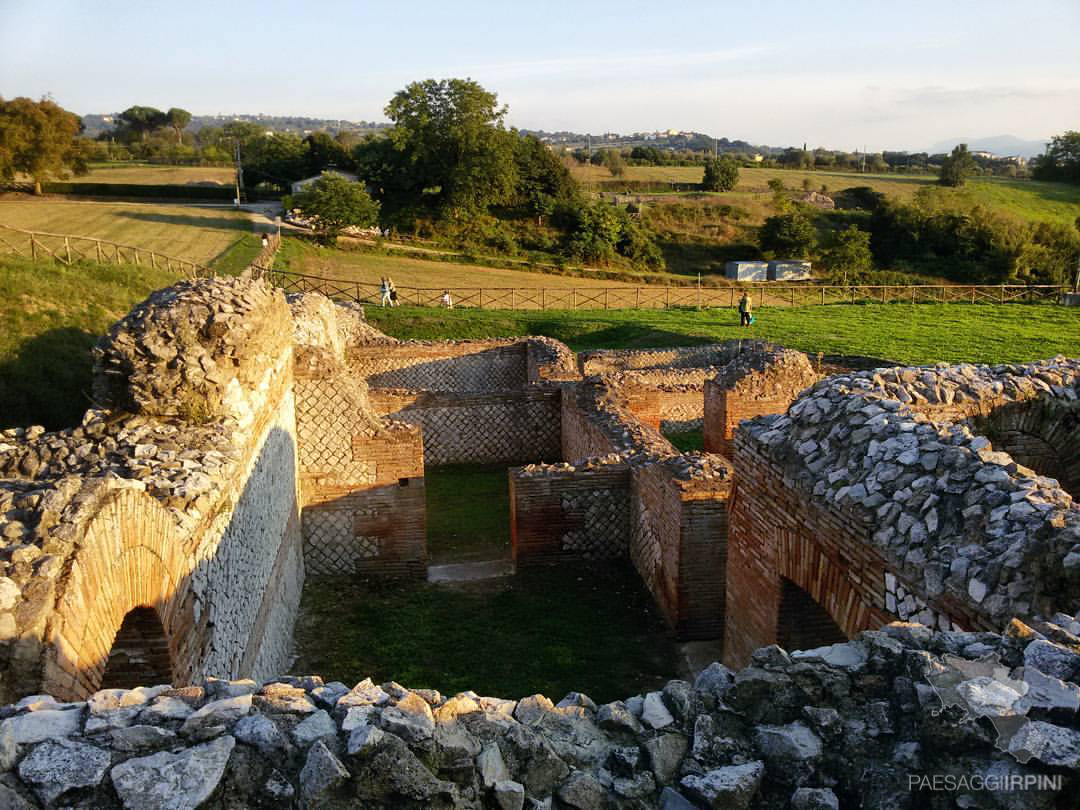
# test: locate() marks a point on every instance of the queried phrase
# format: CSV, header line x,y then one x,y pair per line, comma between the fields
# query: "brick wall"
x,y
509,426
361,477
724,409
445,366
564,514
778,531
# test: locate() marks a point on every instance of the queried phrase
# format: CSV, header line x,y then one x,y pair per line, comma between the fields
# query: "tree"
x,y
178,119
38,138
789,235
721,174
956,168
141,121
613,161
323,152
450,148
849,254
333,203
1061,161
543,179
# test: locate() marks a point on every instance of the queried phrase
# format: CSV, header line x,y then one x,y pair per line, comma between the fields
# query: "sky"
x,y
879,74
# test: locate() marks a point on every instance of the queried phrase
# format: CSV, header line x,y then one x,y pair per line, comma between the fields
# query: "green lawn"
x,y
687,441
50,316
920,334
468,512
587,627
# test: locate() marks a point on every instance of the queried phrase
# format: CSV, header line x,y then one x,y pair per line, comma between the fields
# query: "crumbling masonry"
x,y
241,438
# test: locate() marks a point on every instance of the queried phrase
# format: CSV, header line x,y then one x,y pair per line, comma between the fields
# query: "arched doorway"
x,y
803,624
139,654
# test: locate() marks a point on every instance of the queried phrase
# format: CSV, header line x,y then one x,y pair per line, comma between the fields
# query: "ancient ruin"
x,y
850,537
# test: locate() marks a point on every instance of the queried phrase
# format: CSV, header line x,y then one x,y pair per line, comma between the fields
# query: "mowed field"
x,y
369,268
198,233
149,174
1028,199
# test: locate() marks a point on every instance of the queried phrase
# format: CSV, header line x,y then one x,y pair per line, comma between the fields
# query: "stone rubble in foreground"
x,y
841,726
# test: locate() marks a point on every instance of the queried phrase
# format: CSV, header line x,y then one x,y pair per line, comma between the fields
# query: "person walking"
x,y
384,288
746,310
447,301
393,292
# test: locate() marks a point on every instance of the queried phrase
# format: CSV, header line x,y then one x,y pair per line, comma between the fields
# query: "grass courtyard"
x,y
589,627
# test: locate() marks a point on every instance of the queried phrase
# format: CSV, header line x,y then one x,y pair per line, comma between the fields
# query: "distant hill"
x,y
1003,145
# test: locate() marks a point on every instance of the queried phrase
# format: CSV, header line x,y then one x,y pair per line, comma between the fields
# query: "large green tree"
x,y
788,236
39,139
450,148
140,121
849,256
178,119
721,174
333,203
957,167
1061,161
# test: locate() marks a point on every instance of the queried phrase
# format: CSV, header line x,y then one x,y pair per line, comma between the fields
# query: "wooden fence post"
x,y
33,249
67,249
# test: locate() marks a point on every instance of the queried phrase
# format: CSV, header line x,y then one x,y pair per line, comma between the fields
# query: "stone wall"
x,y
185,504
468,365
482,428
900,511
878,722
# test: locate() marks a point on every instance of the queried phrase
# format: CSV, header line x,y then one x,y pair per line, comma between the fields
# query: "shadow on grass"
x,y
192,220
47,380
588,627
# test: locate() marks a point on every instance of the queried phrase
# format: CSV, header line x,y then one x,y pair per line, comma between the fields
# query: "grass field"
x,y
590,627
468,512
50,316
1028,199
155,175
201,234
369,267
922,334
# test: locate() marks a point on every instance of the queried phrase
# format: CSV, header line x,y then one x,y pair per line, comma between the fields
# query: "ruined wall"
x,y
468,365
1043,434
481,428
752,385
562,513
860,499
678,540
856,724
361,476
187,506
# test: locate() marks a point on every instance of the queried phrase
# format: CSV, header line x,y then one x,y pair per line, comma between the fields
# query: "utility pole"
x,y
239,175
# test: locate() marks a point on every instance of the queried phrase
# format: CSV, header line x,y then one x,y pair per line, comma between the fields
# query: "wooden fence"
x,y
67,249
656,297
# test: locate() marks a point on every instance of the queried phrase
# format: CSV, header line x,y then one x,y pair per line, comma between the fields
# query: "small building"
x,y
789,270
747,271
301,185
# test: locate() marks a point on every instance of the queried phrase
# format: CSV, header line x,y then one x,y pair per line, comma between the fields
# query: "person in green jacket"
x,y
746,309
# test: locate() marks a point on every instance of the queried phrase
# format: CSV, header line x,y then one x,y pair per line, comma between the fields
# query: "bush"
x,y
721,175
789,236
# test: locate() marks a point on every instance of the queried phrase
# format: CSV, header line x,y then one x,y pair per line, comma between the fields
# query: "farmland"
x,y
198,233
157,175
1026,199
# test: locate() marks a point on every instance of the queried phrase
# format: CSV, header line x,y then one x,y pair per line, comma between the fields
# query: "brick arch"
x,y
826,578
1043,434
129,558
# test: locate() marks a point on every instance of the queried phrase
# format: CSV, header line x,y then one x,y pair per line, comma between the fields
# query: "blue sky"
x,y
884,74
